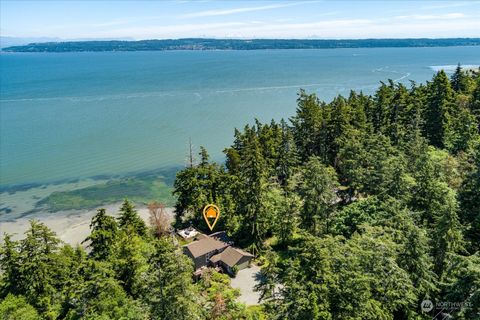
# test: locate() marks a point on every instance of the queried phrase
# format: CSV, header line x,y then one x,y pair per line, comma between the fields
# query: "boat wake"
x,y
387,70
141,95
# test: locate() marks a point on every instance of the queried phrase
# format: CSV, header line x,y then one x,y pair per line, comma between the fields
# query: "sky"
x,y
239,19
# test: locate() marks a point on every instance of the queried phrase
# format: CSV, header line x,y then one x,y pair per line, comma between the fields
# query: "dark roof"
x,y
205,245
221,236
230,256
201,236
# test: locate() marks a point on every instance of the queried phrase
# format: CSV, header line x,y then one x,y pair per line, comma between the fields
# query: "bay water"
x,y
79,115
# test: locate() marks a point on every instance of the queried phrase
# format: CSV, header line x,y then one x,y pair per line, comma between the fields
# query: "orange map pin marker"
x,y
211,211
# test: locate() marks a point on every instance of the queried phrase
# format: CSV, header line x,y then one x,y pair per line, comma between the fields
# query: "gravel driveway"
x,y
245,281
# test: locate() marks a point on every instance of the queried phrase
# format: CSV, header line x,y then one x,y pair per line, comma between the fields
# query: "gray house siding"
x,y
200,261
197,261
203,260
225,267
243,263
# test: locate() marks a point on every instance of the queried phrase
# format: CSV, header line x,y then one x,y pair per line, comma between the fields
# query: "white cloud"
x,y
446,16
174,31
449,5
319,25
220,12
252,29
329,29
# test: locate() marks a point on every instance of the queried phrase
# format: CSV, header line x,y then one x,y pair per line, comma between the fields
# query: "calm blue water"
x,y
76,115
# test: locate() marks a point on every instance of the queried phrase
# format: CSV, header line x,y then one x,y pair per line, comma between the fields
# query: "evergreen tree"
x,y
414,146
221,299
204,157
379,115
359,103
191,194
462,284
319,280
462,131
470,203
226,199
267,286
337,126
232,163
103,236
38,269
130,220
100,296
16,307
288,159
413,251
447,235
438,109
198,186
132,255
270,138
365,211
474,104
308,123
171,291
318,191
369,164
71,261
254,187
399,114
9,267
459,80
287,216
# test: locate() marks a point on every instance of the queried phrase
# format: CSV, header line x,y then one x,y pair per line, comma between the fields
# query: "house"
x,y
216,250
200,251
232,257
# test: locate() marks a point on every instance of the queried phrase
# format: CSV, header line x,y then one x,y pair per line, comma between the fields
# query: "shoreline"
x,y
230,50
71,195
233,44
70,226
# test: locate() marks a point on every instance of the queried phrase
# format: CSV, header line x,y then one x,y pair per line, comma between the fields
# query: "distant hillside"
x,y
19,41
235,44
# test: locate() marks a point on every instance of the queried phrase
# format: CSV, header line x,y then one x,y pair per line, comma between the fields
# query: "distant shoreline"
x,y
201,44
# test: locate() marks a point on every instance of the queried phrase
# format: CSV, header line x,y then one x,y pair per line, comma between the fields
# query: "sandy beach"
x,y
71,226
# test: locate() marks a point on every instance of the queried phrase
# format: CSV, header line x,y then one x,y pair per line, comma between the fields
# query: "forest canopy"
x,y
360,208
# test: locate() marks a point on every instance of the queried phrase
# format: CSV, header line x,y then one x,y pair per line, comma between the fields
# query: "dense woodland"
x,y
360,208
236,44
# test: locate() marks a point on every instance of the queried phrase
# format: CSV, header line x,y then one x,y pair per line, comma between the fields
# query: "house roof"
x,y
205,245
221,236
230,256
201,236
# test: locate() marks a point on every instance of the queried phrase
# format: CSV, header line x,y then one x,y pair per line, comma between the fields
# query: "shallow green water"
x,y
77,115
